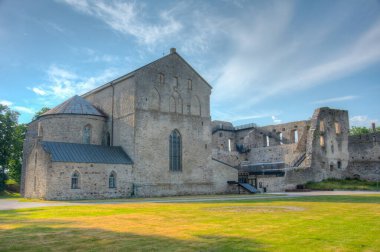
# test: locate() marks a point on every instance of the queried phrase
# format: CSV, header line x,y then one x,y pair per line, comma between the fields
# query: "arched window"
x,y
75,180
175,151
87,134
112,180
40,130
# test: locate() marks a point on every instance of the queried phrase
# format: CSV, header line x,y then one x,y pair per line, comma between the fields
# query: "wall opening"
x,y
322,141
295,136
321,126
189,84
87,134
112,180
337,128
175,151
75,180
229,145
267,141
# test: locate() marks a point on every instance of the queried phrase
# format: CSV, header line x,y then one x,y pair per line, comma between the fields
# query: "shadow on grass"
x,y
37,236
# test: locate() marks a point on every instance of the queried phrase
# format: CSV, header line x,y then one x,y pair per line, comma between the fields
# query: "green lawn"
x,y
321,223
344,184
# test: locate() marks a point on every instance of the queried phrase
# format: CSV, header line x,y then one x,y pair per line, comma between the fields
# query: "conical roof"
x,y
75,105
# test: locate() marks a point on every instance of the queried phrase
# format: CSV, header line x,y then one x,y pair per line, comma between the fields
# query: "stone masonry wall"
x,y
93,181
327,143
36,173
364,161
69,128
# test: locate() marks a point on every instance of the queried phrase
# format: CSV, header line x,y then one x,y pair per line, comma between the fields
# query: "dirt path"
x,y
10,204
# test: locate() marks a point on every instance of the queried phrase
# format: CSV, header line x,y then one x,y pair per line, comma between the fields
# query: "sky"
x,y
268,62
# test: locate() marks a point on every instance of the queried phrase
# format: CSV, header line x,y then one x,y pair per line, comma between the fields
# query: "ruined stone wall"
x,y
36,173
280,153
69,128
364,161
327,143
266,183
93,181
232,158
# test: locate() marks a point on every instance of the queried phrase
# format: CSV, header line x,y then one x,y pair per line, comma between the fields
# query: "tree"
x,y
15,160
356,131
42,110
8,126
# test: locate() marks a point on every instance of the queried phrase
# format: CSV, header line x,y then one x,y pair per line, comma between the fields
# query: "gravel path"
x,y
10,204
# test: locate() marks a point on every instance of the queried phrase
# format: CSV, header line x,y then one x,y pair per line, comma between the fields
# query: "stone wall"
x,y
118,101
69,128
93,181
272,154
327,143
364,161
36,173
232,158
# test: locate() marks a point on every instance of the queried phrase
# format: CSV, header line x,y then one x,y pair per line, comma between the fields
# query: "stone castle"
x,y
149,133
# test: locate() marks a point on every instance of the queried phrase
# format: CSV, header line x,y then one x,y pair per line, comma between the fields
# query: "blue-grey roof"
x,y
86,153
75,105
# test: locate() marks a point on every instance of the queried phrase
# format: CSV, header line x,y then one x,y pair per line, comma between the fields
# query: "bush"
x,y
12,186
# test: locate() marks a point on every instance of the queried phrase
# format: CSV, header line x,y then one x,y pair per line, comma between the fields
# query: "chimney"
x,y
373,127
172,50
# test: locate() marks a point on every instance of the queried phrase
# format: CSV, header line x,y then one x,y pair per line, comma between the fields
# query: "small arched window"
x,y
175,151
112,180
87,134
75,180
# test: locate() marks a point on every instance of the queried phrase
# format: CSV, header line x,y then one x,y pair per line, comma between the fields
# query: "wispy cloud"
x,y
63,83
336,99
276,120
21,109
39,91
24,109
125,17
6,103
268,62
362,121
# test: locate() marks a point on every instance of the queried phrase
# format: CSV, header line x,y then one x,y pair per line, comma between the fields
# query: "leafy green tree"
x,y
8,126
42,110
15,160
356,131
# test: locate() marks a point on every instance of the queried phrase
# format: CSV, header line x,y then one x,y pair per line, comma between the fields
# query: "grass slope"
x,y
331,223
343,184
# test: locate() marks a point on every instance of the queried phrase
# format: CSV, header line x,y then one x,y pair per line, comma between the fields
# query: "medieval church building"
x,y
146,133
149,133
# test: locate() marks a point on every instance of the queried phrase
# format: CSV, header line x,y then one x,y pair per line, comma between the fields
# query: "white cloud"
x,y
127,18
39,91
362,121
268,62
23,109
63,84
336,99
6,103
276,120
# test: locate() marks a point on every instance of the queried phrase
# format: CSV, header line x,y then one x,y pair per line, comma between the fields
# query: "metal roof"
x,y
74,105
86,153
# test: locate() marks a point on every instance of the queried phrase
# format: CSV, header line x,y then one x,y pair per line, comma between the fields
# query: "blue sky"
x,y
268,61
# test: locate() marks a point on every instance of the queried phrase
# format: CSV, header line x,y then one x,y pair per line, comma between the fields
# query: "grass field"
x,y
344,184
320,223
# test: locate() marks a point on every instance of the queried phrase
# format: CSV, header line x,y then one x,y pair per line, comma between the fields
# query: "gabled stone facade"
x,y
138,112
